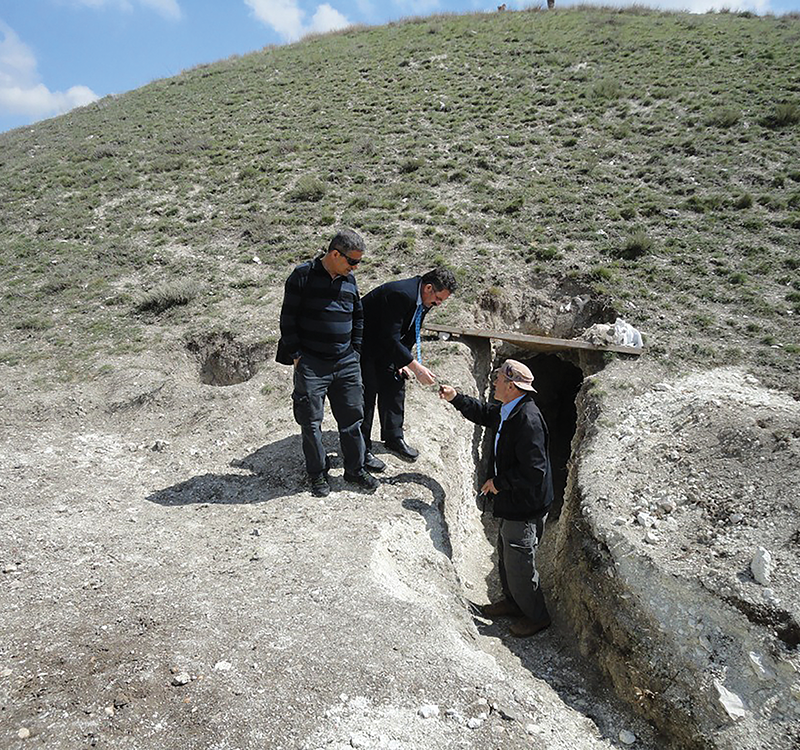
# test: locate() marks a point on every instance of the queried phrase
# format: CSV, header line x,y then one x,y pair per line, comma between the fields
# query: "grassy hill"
x,y
652,156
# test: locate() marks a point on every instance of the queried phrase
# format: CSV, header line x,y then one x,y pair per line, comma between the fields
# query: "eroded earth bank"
x,y
168,580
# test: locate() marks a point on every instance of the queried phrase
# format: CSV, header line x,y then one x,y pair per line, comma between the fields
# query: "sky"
x,y
60,54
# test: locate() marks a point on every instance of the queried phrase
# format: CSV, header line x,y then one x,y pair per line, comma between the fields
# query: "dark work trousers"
x,y
340,381
383,384
516,546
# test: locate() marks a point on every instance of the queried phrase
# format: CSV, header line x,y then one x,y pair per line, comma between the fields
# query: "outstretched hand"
x,y
422,373
447,392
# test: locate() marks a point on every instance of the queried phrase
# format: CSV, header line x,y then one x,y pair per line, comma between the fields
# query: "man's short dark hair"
x,y
441,278
347,241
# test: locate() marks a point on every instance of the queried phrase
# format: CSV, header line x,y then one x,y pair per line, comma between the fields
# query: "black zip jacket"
x,y
523,475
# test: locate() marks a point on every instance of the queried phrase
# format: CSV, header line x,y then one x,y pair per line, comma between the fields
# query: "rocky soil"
x,y
168,581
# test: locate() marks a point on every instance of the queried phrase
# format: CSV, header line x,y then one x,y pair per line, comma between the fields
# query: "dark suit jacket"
x,y
523,477
388,322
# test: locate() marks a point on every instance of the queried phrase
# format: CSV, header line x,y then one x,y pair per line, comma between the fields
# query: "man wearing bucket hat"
x,y
521,487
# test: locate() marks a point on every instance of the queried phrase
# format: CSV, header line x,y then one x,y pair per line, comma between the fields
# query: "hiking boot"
x,y
319,485
523,627
503,608
363,479
373,463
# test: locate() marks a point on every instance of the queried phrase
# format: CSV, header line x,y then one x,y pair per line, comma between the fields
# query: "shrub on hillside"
x,y
637,245
783,116
308,188
172,294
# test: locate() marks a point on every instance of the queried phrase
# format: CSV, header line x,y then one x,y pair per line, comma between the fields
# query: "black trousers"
x,y
340,381
384,386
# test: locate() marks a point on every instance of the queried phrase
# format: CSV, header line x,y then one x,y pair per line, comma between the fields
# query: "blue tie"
x,y
417,324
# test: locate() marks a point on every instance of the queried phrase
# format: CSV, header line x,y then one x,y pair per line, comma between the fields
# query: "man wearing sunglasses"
x,y
322,323
393,315
520,485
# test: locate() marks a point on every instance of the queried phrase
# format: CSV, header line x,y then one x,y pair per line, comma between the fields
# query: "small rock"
x,y
223,666
757,663
474,722
6,672
651,538
182,678
428,711
730,702
109,710
159,446
761,566
24,733
645,519
358,740
737,518
626,737
620,521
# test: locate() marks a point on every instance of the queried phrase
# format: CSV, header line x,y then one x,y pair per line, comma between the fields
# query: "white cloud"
x,y
21,91
287,18
167,8
327,18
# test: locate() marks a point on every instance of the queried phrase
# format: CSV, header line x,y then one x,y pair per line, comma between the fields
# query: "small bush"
x,y
410,165
606,89
308,188
783,116
166,296
637,245
725,117
743,201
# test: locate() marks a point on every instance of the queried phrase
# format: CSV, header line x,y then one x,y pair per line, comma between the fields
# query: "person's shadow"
x,y
432,513
276,470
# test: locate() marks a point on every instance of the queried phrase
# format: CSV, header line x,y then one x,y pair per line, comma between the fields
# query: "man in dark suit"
x,y
393,315
521,486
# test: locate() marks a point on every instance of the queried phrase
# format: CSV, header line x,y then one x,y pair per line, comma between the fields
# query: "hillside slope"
x,y
171,580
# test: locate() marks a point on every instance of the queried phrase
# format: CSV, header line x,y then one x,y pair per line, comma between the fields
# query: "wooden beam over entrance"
x,y
528,341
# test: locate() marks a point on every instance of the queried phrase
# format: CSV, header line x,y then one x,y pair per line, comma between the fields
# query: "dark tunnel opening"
x,y
557,383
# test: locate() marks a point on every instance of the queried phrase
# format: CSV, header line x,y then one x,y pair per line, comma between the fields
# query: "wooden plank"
x,y
544,343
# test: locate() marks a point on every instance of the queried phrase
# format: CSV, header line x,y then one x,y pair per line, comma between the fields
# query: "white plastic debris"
x,y
761,566
626,335
730,702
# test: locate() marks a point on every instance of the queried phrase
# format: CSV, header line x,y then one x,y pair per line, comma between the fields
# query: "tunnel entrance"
x,y
557,383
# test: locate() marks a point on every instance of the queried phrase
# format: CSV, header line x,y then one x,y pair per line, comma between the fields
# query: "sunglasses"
x,y
352,262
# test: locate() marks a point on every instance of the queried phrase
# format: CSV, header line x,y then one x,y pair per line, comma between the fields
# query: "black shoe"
x,y
319,485
402,448
363,479
373,463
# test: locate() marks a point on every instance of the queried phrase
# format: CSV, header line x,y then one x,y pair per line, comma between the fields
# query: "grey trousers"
x,y
517,543
340,381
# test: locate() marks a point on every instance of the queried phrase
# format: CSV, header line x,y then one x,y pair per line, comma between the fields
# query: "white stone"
x,y
761,566
181,679
428,711
737,518
223,666
730,702
651,538
24,733
626,737
757,663
474,722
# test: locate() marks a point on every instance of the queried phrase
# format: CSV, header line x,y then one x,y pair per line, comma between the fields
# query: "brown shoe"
x,y
524,627
503,608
